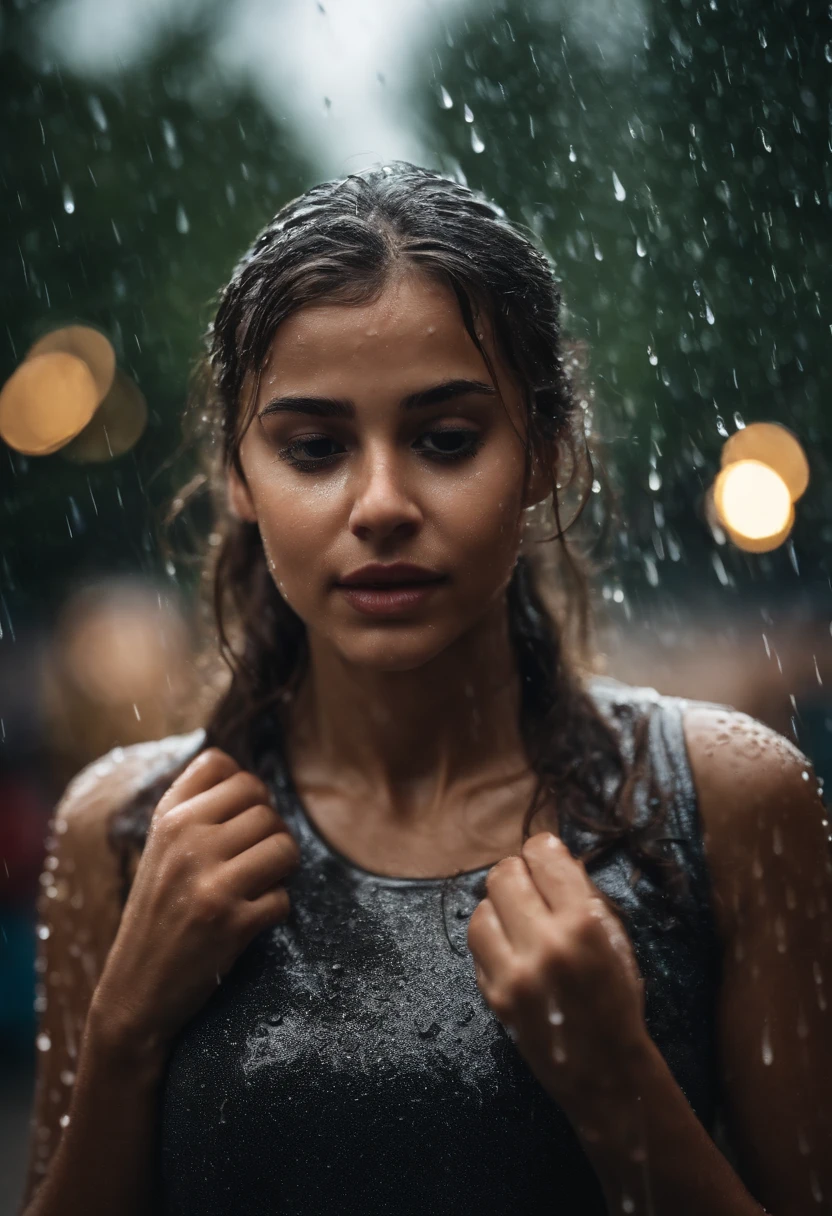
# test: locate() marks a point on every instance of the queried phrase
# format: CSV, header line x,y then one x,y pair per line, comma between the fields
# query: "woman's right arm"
x,y
118,987
78,918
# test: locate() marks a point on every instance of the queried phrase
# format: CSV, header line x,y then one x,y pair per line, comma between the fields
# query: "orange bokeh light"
x,y
47,401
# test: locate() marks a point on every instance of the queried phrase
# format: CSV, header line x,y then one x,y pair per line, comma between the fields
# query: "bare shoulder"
x,y
111,781
759,803
80,861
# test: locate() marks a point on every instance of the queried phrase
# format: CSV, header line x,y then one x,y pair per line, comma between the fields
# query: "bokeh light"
x,y
116,426
773,445
87,344
754,505
47,401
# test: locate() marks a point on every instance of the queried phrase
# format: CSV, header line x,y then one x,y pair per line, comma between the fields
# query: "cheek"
x,y
296,527
486,519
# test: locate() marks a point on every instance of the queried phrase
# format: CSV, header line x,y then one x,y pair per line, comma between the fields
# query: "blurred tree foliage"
x,y
124,207
676,170
681,183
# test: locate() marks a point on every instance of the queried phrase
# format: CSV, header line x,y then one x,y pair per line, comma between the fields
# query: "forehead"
x,y
412,332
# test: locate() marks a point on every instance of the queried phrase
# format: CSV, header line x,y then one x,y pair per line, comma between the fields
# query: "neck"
x,y
410,737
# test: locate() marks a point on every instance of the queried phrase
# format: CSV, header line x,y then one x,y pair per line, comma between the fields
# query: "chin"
x,y
392,650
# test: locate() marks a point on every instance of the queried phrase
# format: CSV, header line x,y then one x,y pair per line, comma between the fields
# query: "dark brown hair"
x,y
342,241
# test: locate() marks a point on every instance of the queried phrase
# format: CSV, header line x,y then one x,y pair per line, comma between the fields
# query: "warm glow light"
x,y
86,344
754,505
47,402
774,445
117,425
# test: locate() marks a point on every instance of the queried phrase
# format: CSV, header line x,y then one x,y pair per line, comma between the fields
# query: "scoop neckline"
x,y
396,880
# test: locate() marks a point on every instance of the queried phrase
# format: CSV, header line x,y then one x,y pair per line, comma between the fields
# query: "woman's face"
x,y
356,454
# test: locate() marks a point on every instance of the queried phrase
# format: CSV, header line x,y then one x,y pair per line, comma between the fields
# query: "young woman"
x,y
428,919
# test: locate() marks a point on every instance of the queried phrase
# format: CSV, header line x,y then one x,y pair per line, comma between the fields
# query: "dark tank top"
x,y
348,1063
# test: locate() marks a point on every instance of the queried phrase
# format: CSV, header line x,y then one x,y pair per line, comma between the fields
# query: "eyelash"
x,y
468,450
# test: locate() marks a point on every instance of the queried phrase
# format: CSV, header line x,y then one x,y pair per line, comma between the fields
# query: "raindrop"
x,y
719,567
627,1204
768,1054
720,427
738,421
652,356
640,247
182,224
476,142
169,134
654,480
827,50
97,111
599,257
64,1120
43,932
468,113
620,192
573,156
709,316
445,99
69,201
43,1042
555,1015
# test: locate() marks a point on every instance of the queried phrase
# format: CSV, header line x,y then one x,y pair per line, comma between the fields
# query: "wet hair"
x,y
341,242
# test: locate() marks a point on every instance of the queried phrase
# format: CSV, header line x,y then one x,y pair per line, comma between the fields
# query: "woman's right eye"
x,y
309,452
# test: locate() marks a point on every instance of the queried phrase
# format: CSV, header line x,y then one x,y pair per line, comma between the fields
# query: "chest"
x,y
350,1053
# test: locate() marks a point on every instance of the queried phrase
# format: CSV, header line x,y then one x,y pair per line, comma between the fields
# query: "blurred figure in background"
x,y
118,671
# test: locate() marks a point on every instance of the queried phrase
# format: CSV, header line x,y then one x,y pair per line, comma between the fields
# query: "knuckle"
x,y
251,787
209,902
523,982
289,850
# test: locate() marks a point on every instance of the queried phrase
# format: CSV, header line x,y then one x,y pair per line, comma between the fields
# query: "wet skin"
x,y
406,717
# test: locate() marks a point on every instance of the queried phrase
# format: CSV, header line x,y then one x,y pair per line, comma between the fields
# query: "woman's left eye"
x,y
452,443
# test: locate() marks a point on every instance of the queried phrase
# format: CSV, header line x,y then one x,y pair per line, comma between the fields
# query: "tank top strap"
x,y
624,705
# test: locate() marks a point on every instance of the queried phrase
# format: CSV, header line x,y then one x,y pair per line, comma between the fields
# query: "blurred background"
x,y
672,155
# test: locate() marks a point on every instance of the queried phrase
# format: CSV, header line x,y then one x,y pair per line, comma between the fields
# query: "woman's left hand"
x,y
557,967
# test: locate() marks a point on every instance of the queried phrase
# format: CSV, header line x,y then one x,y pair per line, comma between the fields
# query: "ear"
x,y
239,497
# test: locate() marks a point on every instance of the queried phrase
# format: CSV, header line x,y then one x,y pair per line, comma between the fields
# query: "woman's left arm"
x,y
558,969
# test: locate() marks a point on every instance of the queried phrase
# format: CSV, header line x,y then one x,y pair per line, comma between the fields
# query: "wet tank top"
x,y
348,1063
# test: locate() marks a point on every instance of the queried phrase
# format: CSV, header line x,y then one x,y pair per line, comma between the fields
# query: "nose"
x,y
382,506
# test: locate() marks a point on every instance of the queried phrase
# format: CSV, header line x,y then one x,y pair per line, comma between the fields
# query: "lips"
x,y
393,590
397,574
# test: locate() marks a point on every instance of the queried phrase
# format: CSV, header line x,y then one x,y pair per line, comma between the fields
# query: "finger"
x,y
227,799
263,866
516,900
247,828
558,877
487,941
201,774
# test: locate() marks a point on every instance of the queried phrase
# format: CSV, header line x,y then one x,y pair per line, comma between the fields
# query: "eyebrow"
x,y
342,407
